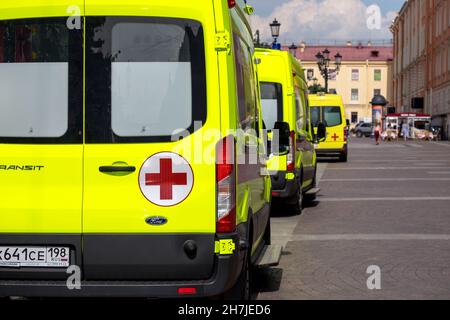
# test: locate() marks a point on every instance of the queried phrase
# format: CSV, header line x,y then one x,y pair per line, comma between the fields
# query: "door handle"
x,y
115,169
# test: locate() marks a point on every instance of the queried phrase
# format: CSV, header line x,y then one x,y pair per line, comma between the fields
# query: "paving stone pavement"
x,y
389,206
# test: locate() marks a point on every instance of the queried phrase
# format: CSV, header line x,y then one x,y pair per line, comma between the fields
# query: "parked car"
x,y
364,129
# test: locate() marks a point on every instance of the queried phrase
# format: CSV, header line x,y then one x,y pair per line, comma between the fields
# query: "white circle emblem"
x,y
166,179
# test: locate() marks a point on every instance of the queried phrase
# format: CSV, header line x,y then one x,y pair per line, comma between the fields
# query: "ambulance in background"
x,y
328,109
284,98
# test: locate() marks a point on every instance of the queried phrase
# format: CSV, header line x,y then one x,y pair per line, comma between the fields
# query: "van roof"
x,y
290,60
323,99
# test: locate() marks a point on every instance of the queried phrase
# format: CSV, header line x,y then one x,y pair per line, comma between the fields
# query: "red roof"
x,y
354,53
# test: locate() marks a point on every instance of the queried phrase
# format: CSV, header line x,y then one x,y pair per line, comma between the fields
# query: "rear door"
x,y
148,188
41,140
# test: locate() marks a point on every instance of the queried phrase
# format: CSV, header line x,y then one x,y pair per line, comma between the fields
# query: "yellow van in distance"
x,y
329,110
115,113
284,99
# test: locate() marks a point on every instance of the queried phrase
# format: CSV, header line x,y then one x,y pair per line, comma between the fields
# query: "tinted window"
x,y
40,82
315,116
332,116
272,103
300,107
246,85
145,78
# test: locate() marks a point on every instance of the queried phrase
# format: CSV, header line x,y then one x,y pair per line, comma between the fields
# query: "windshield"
x,y
272,103
330,116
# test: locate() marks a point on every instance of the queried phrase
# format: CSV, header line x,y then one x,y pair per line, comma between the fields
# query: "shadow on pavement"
x,y
267,280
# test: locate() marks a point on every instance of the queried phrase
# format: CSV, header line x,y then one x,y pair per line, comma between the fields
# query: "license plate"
x,y
48,257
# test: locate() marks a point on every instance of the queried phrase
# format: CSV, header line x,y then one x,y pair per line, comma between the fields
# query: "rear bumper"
x,y
221,277
324,153
224,277
281,187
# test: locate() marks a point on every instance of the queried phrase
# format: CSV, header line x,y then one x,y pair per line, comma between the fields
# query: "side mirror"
x,y
321,132
283,132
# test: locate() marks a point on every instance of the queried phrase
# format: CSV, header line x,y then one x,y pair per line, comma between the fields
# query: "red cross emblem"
x,y
166,179
335,137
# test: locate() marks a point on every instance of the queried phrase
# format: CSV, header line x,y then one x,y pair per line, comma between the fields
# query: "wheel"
x,y
296,202
359,134
343,158
242,289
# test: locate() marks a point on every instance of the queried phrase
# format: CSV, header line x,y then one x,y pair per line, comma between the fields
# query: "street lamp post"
x,y
293,50
275,30
323,61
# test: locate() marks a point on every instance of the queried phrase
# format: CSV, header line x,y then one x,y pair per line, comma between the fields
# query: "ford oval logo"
x,y
156,221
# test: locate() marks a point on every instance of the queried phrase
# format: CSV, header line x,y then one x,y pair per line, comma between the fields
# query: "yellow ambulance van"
x,y
328,109
284,99
118,150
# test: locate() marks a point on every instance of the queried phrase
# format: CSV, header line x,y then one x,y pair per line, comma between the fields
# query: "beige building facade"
x,y
422,60
365,72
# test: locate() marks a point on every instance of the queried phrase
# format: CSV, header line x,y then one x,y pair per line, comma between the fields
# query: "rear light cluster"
x,y
345,134
226,185
290,160
231,3
187,291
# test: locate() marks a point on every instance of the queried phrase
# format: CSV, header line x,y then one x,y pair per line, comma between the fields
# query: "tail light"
x,y
231,3
290,160
345,134
226,185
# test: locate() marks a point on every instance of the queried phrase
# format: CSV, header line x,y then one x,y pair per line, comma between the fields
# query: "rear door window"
x,y
40,82
272,103
145,78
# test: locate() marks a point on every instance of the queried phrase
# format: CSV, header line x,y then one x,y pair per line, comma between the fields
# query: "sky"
x,y
324,20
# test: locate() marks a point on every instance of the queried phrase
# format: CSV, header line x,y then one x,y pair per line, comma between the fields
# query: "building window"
x,y
310,74
355,75
377,92
355,94
377,75
332,75
354,117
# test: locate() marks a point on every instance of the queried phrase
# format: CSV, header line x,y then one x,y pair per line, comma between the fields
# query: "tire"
x,y
343,158
242,289
296,202
359,134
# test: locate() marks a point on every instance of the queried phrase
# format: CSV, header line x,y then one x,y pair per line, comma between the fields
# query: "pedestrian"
x,y
377,133
405,130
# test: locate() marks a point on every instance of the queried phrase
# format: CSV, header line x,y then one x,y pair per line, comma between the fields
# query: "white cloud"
x,y
322,19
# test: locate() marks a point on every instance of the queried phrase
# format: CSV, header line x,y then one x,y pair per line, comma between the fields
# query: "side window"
x,y
300,109
307,112
246,85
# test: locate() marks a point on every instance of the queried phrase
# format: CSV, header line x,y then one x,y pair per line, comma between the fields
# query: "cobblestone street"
x,y
389,207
